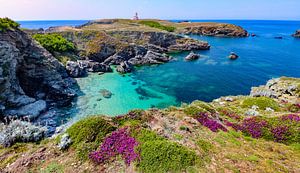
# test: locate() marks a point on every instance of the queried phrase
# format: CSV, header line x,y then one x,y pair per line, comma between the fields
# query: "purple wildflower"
x,y
292,117
118,143
279,133
210,123
253,126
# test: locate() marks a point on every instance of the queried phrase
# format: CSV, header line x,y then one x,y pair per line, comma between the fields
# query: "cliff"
x,y
30,77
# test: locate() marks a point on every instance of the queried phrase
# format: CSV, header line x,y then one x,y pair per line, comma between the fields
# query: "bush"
x,y
261,102
54,43
21,131
144,135
157,25
6,24
198,107
91,129
165,156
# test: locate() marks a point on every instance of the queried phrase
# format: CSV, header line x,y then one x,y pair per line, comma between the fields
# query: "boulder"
x,y
297,34
125,67
192,56
106,93
32,110
65,142
233,56
150,58
75,69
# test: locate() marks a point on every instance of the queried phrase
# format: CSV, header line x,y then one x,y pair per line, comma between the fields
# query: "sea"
x,y
160,86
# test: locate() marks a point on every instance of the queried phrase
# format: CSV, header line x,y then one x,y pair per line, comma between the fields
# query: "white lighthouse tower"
x,y
135,17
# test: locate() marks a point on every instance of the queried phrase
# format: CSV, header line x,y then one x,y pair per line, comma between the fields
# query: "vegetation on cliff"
x,y
54,43
6,23
157,25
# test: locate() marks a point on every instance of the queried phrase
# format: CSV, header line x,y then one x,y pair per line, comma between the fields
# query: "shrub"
x,y
157,25
134,115
84,149
6,24
165,156
197,107
21,131
54,43
91,129
118,143
261,102
144,135
204,145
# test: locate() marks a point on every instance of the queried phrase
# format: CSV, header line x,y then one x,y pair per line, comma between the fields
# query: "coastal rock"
x,y
65,142
28,72
233,56
32,110
283,89
192,56
125,67
75,69
106,93
216,29
150,58
297,34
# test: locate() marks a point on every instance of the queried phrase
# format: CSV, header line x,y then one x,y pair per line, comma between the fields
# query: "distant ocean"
x,y
49,23
212,76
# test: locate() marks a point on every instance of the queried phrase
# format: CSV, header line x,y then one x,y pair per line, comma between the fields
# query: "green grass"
x,y
54,43
165,156
157,25
91,129
7,24
261,102
53,168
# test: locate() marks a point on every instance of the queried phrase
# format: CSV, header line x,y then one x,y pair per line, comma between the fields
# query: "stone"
x,y
252,112
65,142
106,93
125,67
32,110
233,56
297,34
192,56
228,99
75,69
269,109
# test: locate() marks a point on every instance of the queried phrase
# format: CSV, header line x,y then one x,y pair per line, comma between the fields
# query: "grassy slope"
x,y
218,152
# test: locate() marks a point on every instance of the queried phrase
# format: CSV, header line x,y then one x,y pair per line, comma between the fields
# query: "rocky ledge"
x,y
30,77
215,29
297,34
284,89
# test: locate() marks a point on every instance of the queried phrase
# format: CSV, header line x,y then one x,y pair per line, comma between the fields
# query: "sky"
x,y
162,9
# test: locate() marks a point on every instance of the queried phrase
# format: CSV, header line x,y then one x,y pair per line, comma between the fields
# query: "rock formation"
x,y
29,76
192,56
215,29
297,34
233,56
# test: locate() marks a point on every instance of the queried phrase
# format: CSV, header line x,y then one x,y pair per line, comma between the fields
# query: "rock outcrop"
x,y
233,56
192,56
215,29
125,67
30,76
284,89
297,34
134,47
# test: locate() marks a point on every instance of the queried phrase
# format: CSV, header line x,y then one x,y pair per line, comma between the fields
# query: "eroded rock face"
x,y
29,76
297,34
219,30
284,89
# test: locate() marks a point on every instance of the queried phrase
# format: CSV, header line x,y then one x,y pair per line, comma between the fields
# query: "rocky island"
x,y
245,133
297,34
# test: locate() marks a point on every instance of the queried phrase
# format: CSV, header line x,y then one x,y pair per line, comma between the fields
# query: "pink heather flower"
x,y
279,133
210,123
118,143
292,117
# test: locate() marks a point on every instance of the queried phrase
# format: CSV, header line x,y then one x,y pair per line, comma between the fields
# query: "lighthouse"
x,y
136,17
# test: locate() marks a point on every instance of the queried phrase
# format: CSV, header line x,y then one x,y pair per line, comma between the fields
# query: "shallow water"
x,y
212,76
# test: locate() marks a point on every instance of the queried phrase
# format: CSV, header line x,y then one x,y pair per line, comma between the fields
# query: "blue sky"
x,y
163,9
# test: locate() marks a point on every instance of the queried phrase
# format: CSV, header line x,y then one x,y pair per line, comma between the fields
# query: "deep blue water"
x,y
49,23
213,75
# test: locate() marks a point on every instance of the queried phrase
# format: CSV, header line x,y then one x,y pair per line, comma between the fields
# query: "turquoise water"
x,y
210,77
